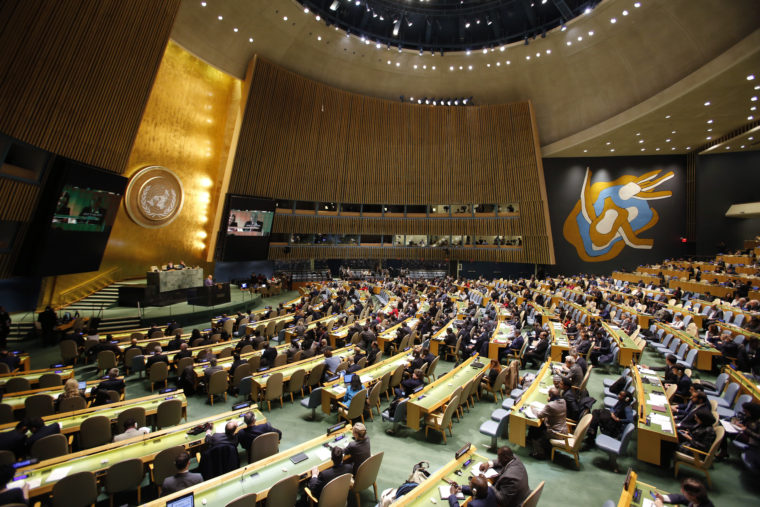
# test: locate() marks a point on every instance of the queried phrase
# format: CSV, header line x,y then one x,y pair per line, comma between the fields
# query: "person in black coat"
x,y
11,495
537,353
39,430
247,435
408,386
268,355
157,357
15,440
320,479
175,343
683,382
483,495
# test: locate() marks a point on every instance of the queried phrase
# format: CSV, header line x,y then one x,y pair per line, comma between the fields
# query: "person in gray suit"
x,y
182,479
554,415
511,485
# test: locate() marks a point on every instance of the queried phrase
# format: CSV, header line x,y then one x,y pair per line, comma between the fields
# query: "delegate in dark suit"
x,y
358,449
511,484
320,480
252,430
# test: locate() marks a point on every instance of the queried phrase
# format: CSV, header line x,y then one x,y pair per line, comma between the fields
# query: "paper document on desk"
x,y
646,371
58,474
730,428
529,413
323,453
339,389
666,426
647,503
445,492
475,471
657,399
33,483
537,406
366,378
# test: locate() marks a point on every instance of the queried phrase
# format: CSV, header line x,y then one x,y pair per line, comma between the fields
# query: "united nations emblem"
x,y
154,197
611,215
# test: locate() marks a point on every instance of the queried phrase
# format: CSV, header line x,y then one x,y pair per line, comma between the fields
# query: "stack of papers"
x,y
646,370
475,471
662,421
339,389
730,428
366,379
58,474
657,399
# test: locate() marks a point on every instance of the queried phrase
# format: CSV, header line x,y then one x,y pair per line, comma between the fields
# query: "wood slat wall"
x,y
307,141
357,252
75,75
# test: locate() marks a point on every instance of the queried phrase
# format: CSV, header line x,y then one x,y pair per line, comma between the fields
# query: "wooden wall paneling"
x,y
306,141
75,76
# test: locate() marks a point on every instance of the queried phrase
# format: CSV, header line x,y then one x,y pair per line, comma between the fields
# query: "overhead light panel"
x,y
334,5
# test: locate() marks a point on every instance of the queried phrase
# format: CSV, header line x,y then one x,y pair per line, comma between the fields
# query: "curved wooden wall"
x,y
306,141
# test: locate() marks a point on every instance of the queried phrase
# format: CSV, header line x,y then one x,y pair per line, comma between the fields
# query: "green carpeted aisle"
x,y
590,486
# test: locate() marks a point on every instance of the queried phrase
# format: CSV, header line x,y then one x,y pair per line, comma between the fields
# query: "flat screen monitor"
x,y
246,228
182,501
75,213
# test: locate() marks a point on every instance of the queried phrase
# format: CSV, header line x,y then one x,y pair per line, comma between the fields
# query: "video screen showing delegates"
x,y
249,222
248,228
76,212
85,209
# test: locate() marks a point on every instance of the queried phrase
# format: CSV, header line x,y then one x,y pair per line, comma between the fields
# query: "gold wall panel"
x,y
186,129
411,253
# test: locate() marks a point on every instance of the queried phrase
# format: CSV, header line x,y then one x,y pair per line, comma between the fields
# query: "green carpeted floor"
x,y
565,485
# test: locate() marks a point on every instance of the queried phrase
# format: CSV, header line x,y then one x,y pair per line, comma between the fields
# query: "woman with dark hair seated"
x,y
701,437
693,494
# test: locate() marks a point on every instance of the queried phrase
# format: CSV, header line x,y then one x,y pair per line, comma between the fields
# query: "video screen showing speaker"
x,y
247,226
76,211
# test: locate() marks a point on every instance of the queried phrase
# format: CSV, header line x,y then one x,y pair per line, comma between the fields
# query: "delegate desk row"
x,y
705,351
43,475
17,400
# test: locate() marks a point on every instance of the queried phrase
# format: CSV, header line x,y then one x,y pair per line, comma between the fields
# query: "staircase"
x,y
104,298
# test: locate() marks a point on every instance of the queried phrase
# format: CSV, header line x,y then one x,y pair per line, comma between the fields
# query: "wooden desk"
x,y
33,376
290,332
142,447
438,393
499,339
342,332
226,362
735,259
702,288
16,400
260,476
651,435
746,386
545,313
560,341
696,317
705,352
642,319
70,422
736,330
538,391
439,338
635,278
306,365
427,492
336,390
629,351
637,489
387,336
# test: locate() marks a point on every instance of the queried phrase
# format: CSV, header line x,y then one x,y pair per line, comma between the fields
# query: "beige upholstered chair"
x,y
571,444
700,460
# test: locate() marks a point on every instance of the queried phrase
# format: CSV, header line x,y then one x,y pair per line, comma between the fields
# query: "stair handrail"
x,y
97,278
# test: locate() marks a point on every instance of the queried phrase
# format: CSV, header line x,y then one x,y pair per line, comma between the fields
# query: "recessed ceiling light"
x,y
625,13
508,62
750,117
469,67
754,99
585,151
389,62
468,52
306,10
548,51
641,141
569,43
667,140
667,117
750,77
673,132
637,4
608,143
709,130
235,30
319,37
538,55
250,39
656,149
527,57
643,149
451,67
433,67
488,65
707,103
284,18
753,108
612,149
709,121
613,21
591,33
498,64
688,147
673,148
751,138
220,17
580,38
318,18
708,138
203,4
728,147
638,133
398,64
742,146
